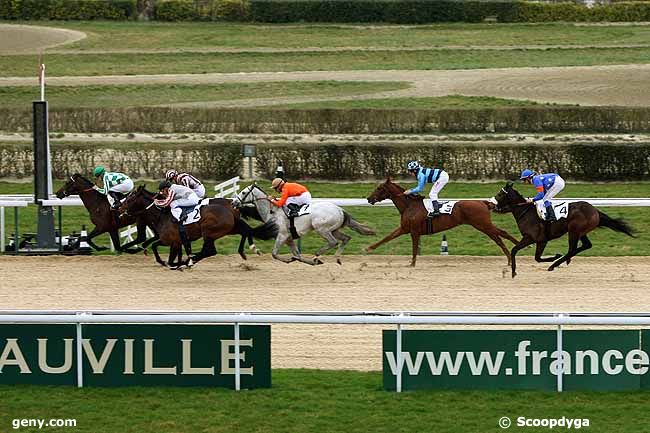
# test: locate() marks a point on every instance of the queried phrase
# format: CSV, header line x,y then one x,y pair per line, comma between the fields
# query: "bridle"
x,y
74,182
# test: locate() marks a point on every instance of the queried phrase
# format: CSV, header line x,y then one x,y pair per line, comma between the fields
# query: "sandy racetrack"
x,y
363,283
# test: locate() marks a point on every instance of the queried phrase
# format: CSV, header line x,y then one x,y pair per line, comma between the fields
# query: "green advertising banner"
x,y
135,355
597,360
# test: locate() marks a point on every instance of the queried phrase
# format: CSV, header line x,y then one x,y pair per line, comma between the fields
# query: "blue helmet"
x,y
413,165
527,173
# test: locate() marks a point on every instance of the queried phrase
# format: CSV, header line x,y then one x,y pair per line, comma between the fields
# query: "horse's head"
x,y
385,190
508,197
136,202
245,197
252,202
75,185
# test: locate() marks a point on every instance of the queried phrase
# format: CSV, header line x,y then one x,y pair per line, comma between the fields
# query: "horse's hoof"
x,y
551,268
317,261
367,250
258,252
514,274
339,261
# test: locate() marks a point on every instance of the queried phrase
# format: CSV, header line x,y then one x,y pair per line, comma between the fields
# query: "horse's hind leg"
x,y
539,250
240,249
573,250
344,241
494,233
207,250
332,242
585,245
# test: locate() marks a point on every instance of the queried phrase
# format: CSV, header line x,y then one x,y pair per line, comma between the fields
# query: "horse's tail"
x,y
356,225
618,225
268,230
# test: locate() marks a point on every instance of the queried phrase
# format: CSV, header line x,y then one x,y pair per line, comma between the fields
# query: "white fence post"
x,y
237,360
560,357
80,368
398,357
228,188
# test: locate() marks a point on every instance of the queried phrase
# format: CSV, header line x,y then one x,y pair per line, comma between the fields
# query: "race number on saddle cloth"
x,y
114,185
445,208
437,176
548,185
187,180
294,196
181,200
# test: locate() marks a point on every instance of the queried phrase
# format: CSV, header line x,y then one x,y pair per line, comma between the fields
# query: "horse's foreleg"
x,y
415,245
240,250
539,250
89,239
279,241
154,248
522,244
397,232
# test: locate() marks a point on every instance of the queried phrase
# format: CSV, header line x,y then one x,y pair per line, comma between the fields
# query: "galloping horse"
x,y
414,218
105,220
581,219
326,219
217,220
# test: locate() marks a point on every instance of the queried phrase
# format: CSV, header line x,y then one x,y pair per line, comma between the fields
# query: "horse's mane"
x,y
82,177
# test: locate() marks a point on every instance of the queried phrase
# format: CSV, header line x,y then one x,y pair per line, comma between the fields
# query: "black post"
x,y
42,179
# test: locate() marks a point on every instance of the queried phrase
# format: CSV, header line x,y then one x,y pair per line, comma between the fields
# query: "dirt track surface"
x,y
362,283
585,85
17,39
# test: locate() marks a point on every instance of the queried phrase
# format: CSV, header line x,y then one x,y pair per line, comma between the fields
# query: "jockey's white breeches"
x,y
302,199
176,205
124,187
554,190
439,185
199,191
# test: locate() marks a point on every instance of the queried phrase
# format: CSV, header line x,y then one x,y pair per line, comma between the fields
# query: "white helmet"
x,y
413,165
171,174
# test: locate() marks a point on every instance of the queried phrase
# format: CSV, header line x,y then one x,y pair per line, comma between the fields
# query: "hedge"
x,y
68,9
209,162
399,11
338,121
355,161
581,161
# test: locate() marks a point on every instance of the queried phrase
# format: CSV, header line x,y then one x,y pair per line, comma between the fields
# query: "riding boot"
x,y
436,209
550,214
116,199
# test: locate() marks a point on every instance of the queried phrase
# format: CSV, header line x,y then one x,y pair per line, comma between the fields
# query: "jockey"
x,y
437,176
187,180
293,196
548,185
114,185
176,197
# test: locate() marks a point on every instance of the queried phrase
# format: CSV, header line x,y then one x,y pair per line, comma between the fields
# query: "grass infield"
x,y
315,400
463,240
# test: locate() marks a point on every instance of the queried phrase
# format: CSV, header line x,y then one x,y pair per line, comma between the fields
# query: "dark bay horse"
x,y
218,219
581,219
414,218
105,220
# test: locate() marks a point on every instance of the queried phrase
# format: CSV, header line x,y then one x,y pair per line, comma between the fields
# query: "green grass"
x,y
451,101
139,95
199,63
313,400
156,35
462,240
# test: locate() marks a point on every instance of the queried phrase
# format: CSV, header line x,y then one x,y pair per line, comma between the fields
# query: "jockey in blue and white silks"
x,y
548,185
437,176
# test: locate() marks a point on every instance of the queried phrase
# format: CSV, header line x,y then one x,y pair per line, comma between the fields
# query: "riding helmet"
x,y
164,184
413,165
170,174
526,173
99,170
276,183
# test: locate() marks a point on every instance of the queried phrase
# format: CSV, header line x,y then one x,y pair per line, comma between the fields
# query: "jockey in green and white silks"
x,y
114,185
437,176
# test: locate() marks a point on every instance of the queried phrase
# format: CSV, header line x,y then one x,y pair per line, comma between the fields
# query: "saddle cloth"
x,y
446,207
305,209
193,212
561,211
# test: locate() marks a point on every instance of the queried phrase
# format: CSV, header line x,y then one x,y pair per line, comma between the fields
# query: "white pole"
x,y
80,368
560,357
237,360
398,359
41,80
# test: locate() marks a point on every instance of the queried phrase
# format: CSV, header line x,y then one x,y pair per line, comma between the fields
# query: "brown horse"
x,y
217,220
414,218
582,218
105,220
